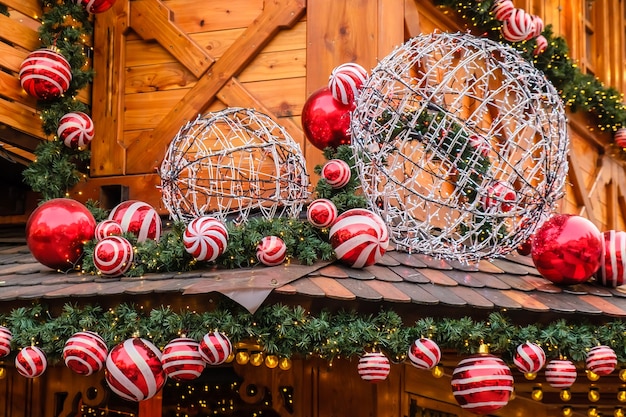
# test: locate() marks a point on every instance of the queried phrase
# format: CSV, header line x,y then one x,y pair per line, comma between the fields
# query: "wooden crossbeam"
x,y
580,192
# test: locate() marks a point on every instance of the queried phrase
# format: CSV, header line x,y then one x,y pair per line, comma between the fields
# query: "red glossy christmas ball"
x,y
57,230
96,6
326,121
612,271
567,249
45,74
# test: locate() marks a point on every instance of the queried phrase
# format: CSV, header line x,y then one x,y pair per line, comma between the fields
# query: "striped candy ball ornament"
x,y
107,228
374,367
424,353
612,271
85,353
76,130
359,238
96,6
541,45
537,27
134,370
337,173
345,82
215,348
560,373
518,26
500,196
271,251
205,238
181,359
322,213
45,74
620,137
31,362
482,383
529,358
5,341
502,9
601,360
479,144
138,218
113,256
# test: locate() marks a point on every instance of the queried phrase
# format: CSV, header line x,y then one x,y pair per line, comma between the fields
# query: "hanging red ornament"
x,y
205,238
502,9
567,249
76,130
517,26
182,360
542,45
529,358
500,197
138,218
560,373
612,271
134,371
620,137
85,353
107,228
57,230
113,256
271,251
359,237
374,367
45,74
424,353
345,82
321,213
537,27
601,360
215,348
337,173
480,145
482,383
5,341
96,6
31,362
326,121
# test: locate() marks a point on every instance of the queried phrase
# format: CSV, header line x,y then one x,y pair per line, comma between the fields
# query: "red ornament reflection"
x,y
57,230
567,249
326,121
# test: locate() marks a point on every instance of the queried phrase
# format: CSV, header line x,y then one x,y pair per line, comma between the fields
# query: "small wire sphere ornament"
x,y
233,164
461,146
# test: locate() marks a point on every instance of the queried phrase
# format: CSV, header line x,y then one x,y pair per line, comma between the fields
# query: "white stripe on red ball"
x,y
113,256
346,81
205,238
560,373
85,353
31,362
271,251
138,218
76,130
182,360
215,348
374,367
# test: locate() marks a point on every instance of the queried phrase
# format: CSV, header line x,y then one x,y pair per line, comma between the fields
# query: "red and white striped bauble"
x,y
542,45
45,74
529,358
345,82
322,213
500,196
358,238
424,353
271,251
107,228
480,144
560,373
181,359
96,6
502,9
620,137
537,27
85,353
205,238
31,362
374,367
5,341
138,218
134,370
612,271
215,348
601,360
517,26
482,383
337,173
113,256
76,130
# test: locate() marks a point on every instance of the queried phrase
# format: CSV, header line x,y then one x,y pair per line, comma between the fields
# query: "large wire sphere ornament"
x,y
461,146
233,164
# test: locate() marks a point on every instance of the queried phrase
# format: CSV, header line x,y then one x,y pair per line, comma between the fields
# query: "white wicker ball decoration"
x,y
440,122
233,164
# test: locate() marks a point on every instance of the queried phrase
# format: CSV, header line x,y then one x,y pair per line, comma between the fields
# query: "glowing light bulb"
x,y
565,395
619,412
437,371
592,412
271,361
621,394
284,364
242,357
593,395
530,375
622,374
537,393
256,359
592,376
567,411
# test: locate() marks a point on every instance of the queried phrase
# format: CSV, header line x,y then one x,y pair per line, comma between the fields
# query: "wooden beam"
x,y
18,139
18,34
578,187
150,147
30,8
151,19
411,18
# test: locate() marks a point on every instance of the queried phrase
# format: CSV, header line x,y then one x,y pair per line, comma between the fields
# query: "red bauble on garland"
x,y
57,230
205,238
215,348
134,371
560,373
502,9
337,173
271,251
612,271
5,341
601,360
45,74
85,353
326,121
359,238
182,360
424,353
96,6
322,213
31,362
518,26
620,137
345,82
138,218
482,383
529,358
107,228
76,130
567,249
374,367
113,256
